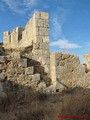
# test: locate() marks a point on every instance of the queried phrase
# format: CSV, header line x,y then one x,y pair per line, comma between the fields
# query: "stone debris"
x,y
29,71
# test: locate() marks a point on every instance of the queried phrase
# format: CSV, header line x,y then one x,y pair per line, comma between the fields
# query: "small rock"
x,y
42,85
3,59
36,77
50,89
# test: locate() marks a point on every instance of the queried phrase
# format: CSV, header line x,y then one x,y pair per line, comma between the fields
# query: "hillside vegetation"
x,y
30,105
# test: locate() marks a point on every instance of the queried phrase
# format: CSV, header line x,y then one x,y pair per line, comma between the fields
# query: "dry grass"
x,y
40,106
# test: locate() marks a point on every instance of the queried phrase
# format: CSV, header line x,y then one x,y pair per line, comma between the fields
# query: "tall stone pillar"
x,y
41,49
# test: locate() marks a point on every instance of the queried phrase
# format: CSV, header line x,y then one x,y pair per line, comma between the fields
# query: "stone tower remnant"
x,y
36,34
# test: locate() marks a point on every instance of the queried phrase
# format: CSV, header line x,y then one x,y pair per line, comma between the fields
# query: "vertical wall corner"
x,y
6,39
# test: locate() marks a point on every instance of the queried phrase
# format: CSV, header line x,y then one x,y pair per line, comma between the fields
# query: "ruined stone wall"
x,y
87,60
66,71
11,40
28,35
17,72
35,34
16,36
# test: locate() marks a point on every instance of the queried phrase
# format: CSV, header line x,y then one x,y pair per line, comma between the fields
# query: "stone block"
x,y
21,78
46,61
40,31
42,85
28,78
11,72
74,59
81,69
46,32
60,63
46,54
59,85
3,59
51,89
46,39
59,69
38,52
37,15
29,70
36,77
39,39
23,63
35,57
43,31
20,70
58,56
45,46
46,24
16,55
42,23
65,56
36,45
39,23
42,15
7,38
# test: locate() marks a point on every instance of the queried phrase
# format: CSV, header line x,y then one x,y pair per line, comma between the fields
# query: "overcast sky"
x,y
69,21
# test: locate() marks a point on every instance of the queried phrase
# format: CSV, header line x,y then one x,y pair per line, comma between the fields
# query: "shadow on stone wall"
x,y
38,68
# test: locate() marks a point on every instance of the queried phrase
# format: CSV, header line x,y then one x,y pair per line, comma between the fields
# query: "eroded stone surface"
x,y
25,59
66,71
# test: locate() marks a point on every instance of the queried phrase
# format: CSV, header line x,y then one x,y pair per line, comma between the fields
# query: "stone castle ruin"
x,y
25,59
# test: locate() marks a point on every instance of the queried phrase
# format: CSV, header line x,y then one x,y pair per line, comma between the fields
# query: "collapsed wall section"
x,y
66,71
